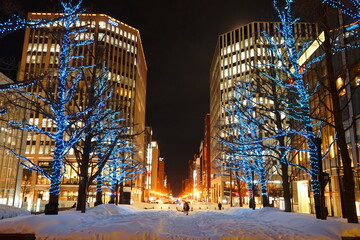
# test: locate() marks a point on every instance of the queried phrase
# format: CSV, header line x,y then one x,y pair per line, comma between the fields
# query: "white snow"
x,y
9,211
107,222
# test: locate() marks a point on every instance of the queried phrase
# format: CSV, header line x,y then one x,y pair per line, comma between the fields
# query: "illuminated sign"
x,y
351,27
113,22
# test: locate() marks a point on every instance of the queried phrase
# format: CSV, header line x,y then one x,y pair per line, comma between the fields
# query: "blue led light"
x,y
351,9
245,148
55,104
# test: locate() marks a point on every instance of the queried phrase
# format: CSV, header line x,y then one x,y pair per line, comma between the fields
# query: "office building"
x,y
237,53
206,163
11,138
123,55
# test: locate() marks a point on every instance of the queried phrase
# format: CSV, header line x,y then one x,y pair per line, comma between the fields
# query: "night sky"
x,y
179,37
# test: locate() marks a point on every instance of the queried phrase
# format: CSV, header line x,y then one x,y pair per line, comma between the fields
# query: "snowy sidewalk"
x,y
107,222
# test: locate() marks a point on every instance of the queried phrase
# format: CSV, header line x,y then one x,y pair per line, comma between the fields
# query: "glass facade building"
x,y
122,52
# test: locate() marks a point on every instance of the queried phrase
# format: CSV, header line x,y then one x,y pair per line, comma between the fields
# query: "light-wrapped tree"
x,y
51,97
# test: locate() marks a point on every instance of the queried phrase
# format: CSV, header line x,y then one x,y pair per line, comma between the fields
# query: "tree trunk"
x,y
81,203
264,192
251,187
98,198
113,196
349,184
265,199
98,191
315,171
121,192
84,168
52,207
240,190
281,140
286,187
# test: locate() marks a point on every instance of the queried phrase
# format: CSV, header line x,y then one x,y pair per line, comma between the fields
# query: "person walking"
x,y
186,208
219,205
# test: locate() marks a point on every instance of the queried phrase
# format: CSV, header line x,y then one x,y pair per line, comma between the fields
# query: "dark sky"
x,y
179,38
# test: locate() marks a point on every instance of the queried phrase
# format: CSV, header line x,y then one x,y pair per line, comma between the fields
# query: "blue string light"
x,y
119,167
299,108
243,146
16,23
352,10
66,84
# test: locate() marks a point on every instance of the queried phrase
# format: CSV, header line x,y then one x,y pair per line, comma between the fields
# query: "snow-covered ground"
x,y
127,222
9,211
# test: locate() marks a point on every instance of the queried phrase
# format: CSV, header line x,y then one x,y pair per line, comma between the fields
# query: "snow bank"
x,y
107,222
328,229
111,209
9,211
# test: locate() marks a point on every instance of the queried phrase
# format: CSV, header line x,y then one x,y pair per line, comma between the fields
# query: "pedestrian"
x,y
219,205
186,208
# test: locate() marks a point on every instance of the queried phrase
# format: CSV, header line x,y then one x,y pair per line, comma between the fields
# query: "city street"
x,y
180,112
127,222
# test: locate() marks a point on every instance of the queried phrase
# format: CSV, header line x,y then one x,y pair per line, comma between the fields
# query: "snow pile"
x,y
109,222
111,209
10,211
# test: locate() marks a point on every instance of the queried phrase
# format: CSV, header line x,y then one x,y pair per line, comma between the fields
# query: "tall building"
x,y
236,52
156,185
146,181
123,55
155,156
346,66
197,179
202,174
161,177
10,138
206,163
152,165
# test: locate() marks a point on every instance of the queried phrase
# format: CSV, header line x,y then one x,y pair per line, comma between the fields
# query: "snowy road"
x,y
108,222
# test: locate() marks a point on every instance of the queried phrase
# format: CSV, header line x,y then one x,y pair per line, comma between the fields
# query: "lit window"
x,y
32,149
234,70
226,73
234,60
228,49
101,36
102,24
357,80
252,53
